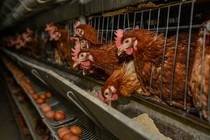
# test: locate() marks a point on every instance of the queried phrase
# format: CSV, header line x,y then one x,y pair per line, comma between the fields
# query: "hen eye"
x,y
106,94
126,41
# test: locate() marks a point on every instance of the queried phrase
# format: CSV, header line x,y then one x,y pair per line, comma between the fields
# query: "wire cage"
x,y
171,20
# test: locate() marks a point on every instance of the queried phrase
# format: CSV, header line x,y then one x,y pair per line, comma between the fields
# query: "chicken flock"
x,y
138,61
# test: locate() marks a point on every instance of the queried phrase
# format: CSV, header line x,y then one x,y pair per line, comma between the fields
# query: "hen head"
x,y
127,46
55,36
108,94
50,28
84,44
78,30
136,37
83,59
124,44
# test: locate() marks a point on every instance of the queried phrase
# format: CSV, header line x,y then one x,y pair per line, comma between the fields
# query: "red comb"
x,y
76,49
119,35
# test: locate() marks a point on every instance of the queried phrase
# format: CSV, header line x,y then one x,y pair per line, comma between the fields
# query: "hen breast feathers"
x,y
148,57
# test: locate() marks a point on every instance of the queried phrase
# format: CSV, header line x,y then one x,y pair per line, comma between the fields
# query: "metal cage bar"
x,y
164,49
188,55
175,54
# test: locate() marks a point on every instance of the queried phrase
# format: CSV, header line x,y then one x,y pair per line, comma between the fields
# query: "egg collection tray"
x,y
89,131
72,116
55,104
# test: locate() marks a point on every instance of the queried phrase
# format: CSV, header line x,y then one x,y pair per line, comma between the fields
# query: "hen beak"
x,y
109,102
76,35
76,63
120,51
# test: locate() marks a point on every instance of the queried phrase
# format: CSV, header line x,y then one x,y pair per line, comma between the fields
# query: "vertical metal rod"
x,y
164,50
67,28
72,28
151,73
102,30
202,70
118,22
134,20
128,20
107,29
158,21
95,22
208,96
124,21
99,22
150,80
149,19
188,56
90,22
112,28
175,53
142,14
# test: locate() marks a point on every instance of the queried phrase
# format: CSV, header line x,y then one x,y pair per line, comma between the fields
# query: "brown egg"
x,y
46,108
62,133
28,81
76,130
67,136
31,91
59,115
39,101
62,129
42,105
35,96
50,114
42,96
48,95
74,138
61,111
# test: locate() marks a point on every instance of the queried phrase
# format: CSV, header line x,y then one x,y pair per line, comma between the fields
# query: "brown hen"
x,y
147,49
122,81
63,43
197,78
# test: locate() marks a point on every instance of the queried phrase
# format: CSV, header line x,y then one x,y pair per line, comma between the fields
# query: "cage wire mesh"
x,y
170,20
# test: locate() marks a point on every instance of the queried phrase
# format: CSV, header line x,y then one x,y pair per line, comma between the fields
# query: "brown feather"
x,y
105,57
